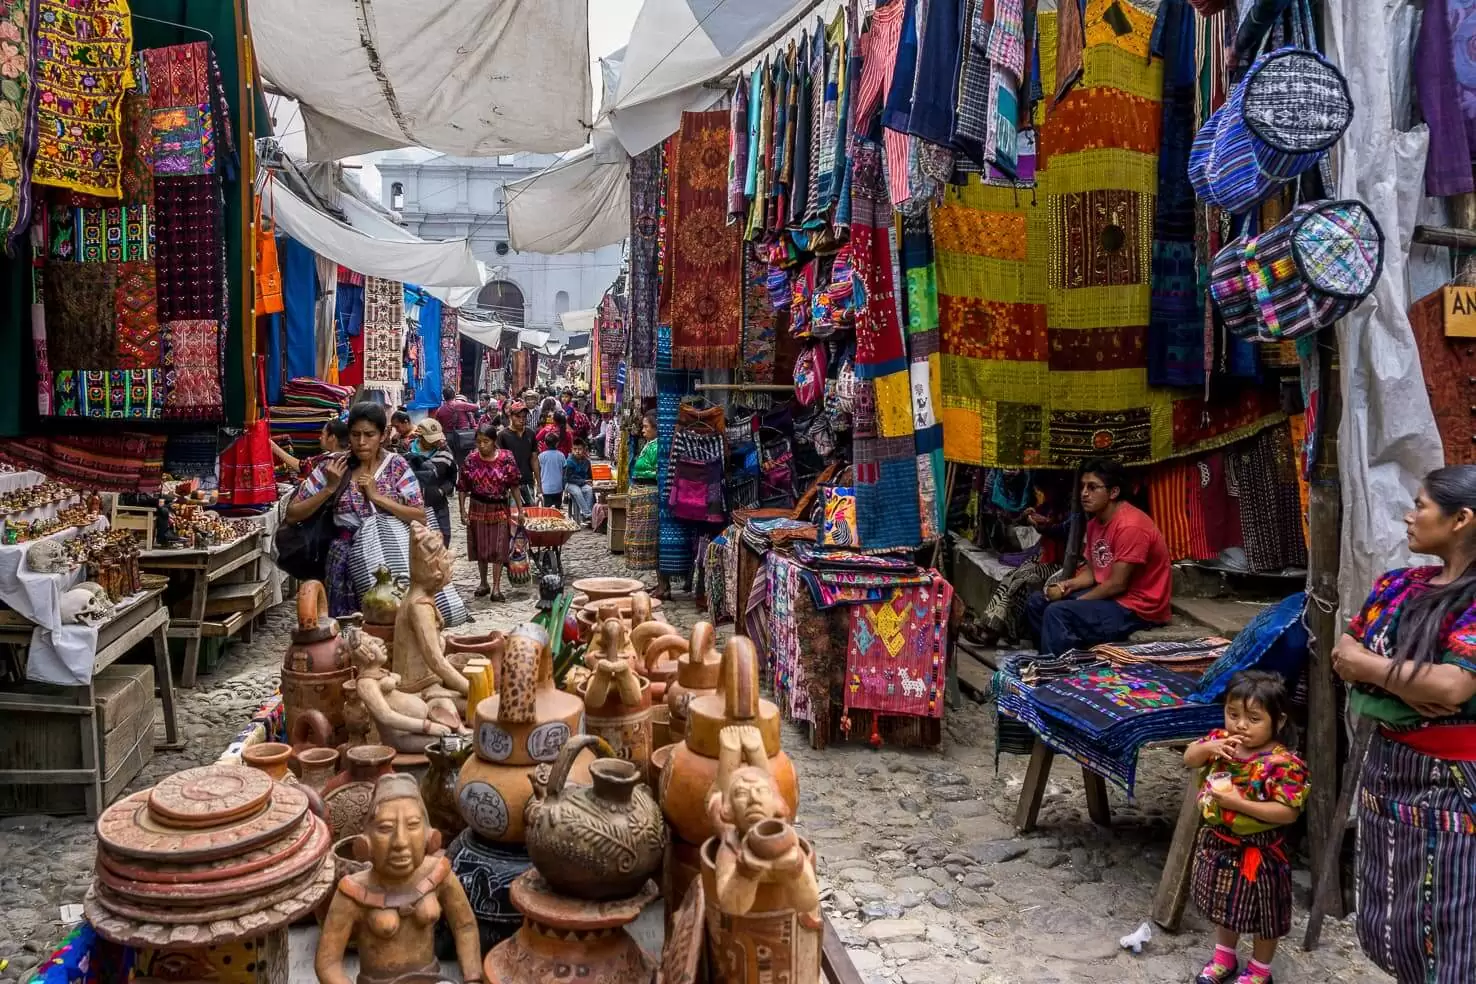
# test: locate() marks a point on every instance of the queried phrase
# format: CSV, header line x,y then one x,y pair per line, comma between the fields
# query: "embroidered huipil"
x,y
1274,775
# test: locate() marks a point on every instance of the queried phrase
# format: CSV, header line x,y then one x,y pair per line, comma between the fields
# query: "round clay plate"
x,y
128,828
188,912
209,796
234,867
287,867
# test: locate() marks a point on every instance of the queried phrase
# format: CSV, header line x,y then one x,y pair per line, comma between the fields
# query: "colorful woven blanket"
x,y
898,655
705,262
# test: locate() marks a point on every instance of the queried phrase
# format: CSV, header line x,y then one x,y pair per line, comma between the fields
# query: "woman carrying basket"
x,y
490,479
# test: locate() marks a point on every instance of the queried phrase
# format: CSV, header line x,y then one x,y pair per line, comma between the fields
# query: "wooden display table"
x,y
145,617
227,591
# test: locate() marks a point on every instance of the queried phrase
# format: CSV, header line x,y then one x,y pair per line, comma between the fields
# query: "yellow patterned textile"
x,y
1044,299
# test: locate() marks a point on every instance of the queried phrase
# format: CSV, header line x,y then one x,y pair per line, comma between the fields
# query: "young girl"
x,y
490,477
1256,786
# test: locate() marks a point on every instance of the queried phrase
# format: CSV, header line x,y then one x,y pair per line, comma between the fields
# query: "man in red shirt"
x,y
1125,581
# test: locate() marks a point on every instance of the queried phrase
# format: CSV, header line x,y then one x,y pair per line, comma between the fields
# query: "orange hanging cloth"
x,y
268,270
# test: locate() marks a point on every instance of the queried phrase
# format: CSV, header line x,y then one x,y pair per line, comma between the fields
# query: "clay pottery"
x,y
681,952
481,682
771,839
697,676
660,659
681,868
659,759
381,603
486,870
489,647
601,588
564,939
270,757
589,616
316,767
438,785
305,696
317,645
770,942
347,794
350,855
384,633
596,842
524,724
688,777
617,704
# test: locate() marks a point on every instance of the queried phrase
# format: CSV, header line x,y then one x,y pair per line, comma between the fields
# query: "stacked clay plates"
x,y
208,856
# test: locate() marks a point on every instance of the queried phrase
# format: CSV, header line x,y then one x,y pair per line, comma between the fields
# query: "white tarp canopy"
x,y
470,78
678,45
488,332
371,244
575,206
1387,440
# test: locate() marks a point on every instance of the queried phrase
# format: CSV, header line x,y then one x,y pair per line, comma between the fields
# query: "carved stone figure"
x,y
405,722
391,910
419,653
595,842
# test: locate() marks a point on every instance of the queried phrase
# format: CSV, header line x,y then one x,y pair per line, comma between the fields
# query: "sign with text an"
x,y
1460,311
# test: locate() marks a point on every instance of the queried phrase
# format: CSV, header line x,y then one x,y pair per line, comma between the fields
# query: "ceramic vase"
x,y
617,704
270,757
526,723
347,794
564,939
486,870
314,670
596,842
438,785
316,767
697,676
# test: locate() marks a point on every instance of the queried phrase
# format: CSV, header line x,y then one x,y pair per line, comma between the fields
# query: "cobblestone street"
x,y
923,874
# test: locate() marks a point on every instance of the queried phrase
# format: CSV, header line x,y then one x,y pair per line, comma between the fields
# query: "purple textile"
x,y
1445,79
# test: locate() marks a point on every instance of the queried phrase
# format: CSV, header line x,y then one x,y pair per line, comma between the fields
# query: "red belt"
x,y
1251,854
1451,742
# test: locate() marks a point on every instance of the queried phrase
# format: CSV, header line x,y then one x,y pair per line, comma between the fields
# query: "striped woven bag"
x,y
1291,107
1309,270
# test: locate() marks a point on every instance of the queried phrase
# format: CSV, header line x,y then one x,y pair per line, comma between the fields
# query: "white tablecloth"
x,y
59,653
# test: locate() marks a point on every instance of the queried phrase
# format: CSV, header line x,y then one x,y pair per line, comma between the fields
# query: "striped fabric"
x,y
1174,503
1226,897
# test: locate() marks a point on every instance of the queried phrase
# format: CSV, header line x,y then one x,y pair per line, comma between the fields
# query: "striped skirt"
x,y
642,529
1417,865
1226,896
488,532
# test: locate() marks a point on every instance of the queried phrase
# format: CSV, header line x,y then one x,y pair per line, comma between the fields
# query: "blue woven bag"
x,y
1291,107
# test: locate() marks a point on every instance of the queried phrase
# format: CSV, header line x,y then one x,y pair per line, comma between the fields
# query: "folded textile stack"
x,y
296,429
1191,657
305,391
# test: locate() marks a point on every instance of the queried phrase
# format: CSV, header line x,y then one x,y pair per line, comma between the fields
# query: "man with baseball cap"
x,y
518,438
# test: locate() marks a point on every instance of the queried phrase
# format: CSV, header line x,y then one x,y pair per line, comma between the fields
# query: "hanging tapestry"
x,y
898,655
923,370
645,283
113,462
192,369
1045,310
84,64
110,393
114,235
384,326
705,259
1265,476
450,349
182,120
80,314
1174,502
137,310
189,248
1447,363
138,138
16,150
758,322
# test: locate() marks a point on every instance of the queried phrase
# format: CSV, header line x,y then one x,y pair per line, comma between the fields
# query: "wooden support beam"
x,y
1450,238
1033,790
1178,867
1099,808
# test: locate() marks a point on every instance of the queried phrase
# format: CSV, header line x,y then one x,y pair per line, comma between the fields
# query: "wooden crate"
x,y
138,519
615,526
124,704
228,599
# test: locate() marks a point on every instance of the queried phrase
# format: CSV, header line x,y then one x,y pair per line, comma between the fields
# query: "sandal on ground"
x,y
498,596
482,591
1227,975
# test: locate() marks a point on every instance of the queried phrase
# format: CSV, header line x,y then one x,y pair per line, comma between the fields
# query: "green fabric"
x,y
1387,709
645,466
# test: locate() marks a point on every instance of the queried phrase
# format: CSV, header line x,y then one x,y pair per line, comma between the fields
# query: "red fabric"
x,y
1131,537
457,415
705,259
566,442
1451,742
246,470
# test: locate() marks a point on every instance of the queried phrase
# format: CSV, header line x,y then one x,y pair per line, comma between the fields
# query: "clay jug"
x,y
438,785
315,668
381,603
270,757
697,676
688,776
526,722
769,942
617,703
565,939
317,766
347,794
595,842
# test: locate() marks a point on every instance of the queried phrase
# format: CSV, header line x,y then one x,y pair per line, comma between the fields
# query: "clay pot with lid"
x,y
688,776
527,722
596,842
697,676
617,702
315,668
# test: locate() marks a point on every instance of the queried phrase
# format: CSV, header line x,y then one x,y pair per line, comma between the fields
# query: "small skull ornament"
x,y
87,602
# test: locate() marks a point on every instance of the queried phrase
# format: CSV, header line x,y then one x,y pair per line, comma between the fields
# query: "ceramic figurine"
x,y
315,669
597,842
617,702
405,722
525,723
391,910
419,652
697,676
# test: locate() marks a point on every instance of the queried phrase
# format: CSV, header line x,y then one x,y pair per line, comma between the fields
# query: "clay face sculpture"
x,y
391,909
419,653
405,722
617,702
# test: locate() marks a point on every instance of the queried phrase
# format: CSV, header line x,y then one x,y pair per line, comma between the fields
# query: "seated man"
x,y
578,482
1125,582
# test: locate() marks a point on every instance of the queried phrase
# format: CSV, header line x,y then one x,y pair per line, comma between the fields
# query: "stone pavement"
x,y
923,875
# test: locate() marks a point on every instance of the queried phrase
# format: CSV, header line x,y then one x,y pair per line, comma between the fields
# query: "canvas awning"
x,y
471,78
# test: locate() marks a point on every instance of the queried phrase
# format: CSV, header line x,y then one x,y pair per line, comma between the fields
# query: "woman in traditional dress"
x,y
489,477
1410,656
366,480
642,527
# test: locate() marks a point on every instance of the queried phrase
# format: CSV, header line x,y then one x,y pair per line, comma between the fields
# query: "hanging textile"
x,y
450,349
429,383
136,306
704,263
84,63
645,283
1045,310
897,659
923,371
384,328
348,311
113,462
182,119
1264,472
192,369
299,298
759,333
17,24
325,321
